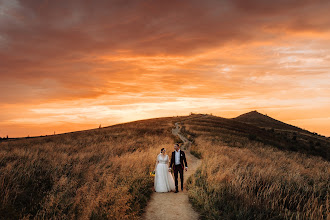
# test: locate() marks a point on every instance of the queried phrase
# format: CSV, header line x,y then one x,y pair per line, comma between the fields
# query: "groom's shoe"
x,y
176,191
181,189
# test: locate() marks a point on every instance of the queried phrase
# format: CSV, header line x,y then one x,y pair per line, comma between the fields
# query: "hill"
x,y
250,172
254,126
84,174
103,173
264,121
291,137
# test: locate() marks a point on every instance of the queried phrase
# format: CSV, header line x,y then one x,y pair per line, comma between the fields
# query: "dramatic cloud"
x,y
71,65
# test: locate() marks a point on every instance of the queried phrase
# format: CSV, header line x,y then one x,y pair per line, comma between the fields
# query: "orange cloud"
x,y
108,62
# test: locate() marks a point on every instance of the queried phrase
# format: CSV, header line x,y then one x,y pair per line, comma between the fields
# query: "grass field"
x,y
247,172
94,174
247,179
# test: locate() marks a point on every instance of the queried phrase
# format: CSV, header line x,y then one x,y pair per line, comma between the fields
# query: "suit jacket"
x,y
182,160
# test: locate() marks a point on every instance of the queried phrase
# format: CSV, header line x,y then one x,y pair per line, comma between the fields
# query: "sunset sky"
x,y
72,65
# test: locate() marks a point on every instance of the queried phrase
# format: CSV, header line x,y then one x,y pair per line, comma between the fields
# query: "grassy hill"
x,y
257,127
250,170
98,174
265,121
293,137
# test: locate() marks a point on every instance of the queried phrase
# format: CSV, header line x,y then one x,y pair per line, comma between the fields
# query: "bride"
x,y
164,181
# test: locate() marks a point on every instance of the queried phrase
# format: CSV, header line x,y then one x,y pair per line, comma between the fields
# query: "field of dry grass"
x,y
244,179
247,172
93,174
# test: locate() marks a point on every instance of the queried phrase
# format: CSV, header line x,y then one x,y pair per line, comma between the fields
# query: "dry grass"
x,y
95,174
104,173
235,133
254,181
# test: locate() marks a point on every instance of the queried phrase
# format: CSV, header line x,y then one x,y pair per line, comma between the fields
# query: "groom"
x,y
178,159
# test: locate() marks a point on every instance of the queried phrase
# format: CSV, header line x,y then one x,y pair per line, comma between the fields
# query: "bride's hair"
x,y
161,150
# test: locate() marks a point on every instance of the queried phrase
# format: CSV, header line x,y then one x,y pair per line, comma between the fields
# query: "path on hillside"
x,y
176,132
174,205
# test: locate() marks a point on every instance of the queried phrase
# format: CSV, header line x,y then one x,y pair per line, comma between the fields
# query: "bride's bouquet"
x,y
153,173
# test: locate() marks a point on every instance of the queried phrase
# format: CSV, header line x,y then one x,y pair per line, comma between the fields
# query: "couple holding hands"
x,y
163,179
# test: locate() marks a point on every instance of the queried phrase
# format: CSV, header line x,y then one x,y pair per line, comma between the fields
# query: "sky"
x,y
73,65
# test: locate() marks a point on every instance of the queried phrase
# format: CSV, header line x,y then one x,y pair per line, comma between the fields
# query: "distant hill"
x,y
264,121
254,126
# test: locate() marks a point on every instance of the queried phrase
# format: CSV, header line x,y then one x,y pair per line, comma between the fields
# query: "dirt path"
x,y
174,205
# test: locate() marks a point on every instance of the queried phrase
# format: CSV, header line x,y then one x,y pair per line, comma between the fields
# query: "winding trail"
x,y
174,205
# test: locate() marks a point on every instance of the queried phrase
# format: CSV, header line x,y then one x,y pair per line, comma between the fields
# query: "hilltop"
x,y
253,126
296,138
264,121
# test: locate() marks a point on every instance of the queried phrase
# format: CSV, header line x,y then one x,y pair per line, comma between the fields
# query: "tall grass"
x,y
258,182
95,174
104,173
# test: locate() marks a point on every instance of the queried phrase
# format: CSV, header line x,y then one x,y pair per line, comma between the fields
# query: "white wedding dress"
x,y
164,181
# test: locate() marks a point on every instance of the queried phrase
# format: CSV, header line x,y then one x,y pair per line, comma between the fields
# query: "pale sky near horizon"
x,y
72,65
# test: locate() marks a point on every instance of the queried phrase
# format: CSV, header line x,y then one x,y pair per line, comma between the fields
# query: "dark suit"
x,y
178,168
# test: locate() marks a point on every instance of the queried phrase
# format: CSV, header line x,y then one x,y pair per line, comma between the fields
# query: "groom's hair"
x,y
177,144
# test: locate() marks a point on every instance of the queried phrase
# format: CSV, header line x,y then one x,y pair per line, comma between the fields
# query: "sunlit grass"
x,y
246,172
97,174
248,180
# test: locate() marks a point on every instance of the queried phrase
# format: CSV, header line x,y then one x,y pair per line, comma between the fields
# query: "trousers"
x,y
178,169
